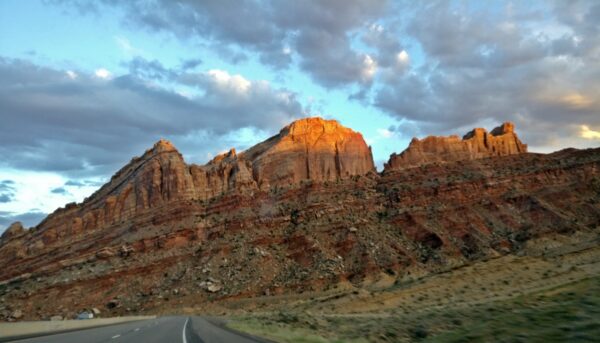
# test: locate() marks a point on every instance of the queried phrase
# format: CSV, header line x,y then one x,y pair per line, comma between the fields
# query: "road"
x,y
159,330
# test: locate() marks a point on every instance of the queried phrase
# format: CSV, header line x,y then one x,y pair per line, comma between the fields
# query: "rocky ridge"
x,y
478,143
302,211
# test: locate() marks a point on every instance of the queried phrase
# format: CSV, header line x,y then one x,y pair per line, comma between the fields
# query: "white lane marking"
x,y
116,336
137,329
183,334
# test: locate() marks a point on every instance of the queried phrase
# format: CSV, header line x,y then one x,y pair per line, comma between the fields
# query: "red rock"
x,y
14,230
478,143
308,149
188,223
311,148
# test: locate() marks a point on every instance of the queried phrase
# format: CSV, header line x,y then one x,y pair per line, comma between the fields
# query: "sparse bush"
x,y
419,332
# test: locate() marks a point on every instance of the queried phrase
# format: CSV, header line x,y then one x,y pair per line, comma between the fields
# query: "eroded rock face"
x,y
15,229
230,229
311,148
158,177
478,143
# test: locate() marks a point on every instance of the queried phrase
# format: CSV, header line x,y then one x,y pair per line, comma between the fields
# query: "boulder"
x,y
16,314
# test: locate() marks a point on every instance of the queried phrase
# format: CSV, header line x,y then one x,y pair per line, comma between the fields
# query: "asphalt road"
x,y
159,330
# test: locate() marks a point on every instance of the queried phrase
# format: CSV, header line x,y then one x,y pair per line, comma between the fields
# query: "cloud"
x,y
7,191
577,101
588,133
74,183
442,66
83,183
86,126
59,190
319,33
402,58
483,66
190,63
385,133
128,48
102,73
29,219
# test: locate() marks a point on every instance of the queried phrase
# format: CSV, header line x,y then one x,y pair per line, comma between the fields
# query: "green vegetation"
x,y
567,314
570,313
281,332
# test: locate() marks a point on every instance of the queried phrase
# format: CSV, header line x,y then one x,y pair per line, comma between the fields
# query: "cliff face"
x,y
308,149
158,177
312,148
161,234
478,143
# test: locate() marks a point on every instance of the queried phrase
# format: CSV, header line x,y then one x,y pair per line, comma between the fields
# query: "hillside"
x,y
305,211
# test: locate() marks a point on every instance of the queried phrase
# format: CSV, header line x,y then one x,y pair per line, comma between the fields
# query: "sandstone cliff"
x,y
311,148
478,143
308,149
162,235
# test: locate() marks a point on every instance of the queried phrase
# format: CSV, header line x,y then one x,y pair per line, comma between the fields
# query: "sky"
x,y
87,85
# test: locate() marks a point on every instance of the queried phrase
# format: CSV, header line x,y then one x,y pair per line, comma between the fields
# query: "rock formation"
x,y
478,143
162,235
14,230
311,148
308,149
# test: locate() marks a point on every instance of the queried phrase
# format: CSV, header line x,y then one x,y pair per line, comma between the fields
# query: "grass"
x,y
570,313
567,314
280,332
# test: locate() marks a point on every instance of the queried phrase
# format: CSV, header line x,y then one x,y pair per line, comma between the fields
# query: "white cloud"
x,y
376,28
102,73
369,68
225,81
385,133
71,74
34,191
588,133
402,58
127,48
577,101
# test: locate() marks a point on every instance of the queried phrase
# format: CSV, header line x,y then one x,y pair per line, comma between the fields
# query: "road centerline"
x,y
183,332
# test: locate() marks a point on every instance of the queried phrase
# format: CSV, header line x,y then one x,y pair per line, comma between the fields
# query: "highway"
x,y
159,330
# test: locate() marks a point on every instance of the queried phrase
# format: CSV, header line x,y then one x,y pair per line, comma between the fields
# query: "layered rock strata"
x,y
162,235
478,143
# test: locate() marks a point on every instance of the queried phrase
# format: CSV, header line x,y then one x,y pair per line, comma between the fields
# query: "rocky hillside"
x,y
303,211
478,143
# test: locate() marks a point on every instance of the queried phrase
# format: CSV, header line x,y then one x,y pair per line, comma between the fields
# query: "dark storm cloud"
x,y
91,126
